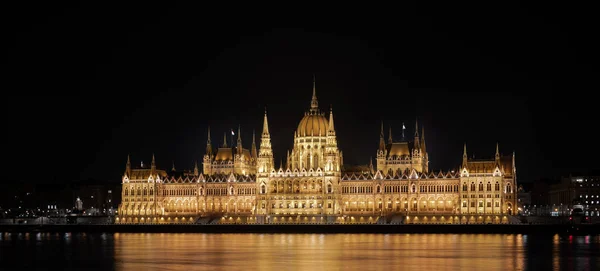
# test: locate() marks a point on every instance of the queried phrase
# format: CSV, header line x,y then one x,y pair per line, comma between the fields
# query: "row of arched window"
x,y
139,192
488,187
438,188
180,192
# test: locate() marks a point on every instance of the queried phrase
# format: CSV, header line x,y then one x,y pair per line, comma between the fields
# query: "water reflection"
x,y
146,251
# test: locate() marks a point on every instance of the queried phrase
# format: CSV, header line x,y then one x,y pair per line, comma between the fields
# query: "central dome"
x,y
314,122
311,124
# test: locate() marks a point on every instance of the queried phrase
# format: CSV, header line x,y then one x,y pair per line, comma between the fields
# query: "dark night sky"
x,y
89,84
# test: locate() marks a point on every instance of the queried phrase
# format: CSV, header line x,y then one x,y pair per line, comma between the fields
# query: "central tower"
x,y
315,143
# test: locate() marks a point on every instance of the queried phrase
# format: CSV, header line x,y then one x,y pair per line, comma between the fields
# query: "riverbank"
x,y
357,228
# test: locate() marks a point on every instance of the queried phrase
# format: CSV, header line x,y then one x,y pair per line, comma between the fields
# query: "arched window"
x,y
329,188
231,190
497,186
378,189
414,189
126,192
262,189
489,187
145,191
151,191
464,187
480,186
508,188
472,187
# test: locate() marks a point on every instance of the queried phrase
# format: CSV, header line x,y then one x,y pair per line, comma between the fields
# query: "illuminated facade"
x,y
238,185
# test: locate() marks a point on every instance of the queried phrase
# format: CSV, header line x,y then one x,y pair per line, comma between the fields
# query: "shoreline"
x,y
312,228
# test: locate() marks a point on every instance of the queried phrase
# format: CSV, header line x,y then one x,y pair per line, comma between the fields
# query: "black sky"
x,y
89,84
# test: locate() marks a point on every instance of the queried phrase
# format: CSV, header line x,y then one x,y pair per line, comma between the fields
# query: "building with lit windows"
x,y
572,190
239,185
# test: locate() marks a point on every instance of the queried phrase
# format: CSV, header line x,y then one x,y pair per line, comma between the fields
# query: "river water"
x,y
194,251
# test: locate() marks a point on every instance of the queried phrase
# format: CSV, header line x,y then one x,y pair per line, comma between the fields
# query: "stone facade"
x,y
238,185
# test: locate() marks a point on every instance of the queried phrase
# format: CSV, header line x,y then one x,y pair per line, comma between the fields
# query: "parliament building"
x,y
237,185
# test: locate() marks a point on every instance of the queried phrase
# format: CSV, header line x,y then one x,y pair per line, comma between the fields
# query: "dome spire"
x,y
314,103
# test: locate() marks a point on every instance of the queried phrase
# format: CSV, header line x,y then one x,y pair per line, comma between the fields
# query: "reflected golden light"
x,y
319,251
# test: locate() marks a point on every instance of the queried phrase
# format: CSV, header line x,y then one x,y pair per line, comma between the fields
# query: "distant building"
x,y
584,190
523,201
97,198
79,204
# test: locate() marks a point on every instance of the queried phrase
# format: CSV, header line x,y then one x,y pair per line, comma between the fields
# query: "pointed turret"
x,y
128,166
153,164
239,140
265,125
208,145
196,171
416,128
371,168
331,126
254,153
417,143
314,103
390,141
173,168
423,148
224,140
381,140
465,155
287,161
265,154
497,152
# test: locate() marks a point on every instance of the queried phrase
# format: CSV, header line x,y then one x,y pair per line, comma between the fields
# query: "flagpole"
x,y
232,139
403,127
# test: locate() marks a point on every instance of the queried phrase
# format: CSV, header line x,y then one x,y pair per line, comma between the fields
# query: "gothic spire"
x,y
497,152
254,153
331,127
153,165
423,140
208,144
265,153
239,140
196,172
173,168
224,140
416,128
265,125
128,166
417,143
314,103
381,140
465,155
390,141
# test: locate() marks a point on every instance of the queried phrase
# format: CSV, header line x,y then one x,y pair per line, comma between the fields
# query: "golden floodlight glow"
x,y
242,181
